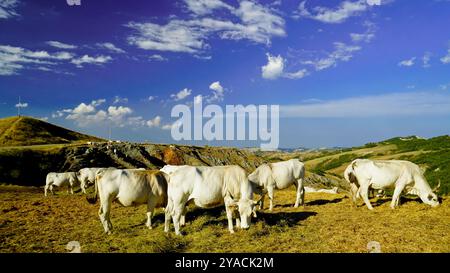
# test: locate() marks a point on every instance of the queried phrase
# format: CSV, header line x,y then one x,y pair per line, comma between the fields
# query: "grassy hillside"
x,y
433,155
23,131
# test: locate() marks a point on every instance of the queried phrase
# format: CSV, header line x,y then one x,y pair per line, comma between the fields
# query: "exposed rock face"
x,y
30,166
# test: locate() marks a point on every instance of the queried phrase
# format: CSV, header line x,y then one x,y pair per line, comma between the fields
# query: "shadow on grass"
x,y
284,218
324,201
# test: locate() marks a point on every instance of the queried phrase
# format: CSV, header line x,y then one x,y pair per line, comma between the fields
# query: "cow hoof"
x,y
231,231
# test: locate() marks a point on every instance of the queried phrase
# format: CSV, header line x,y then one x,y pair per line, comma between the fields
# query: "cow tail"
x,y
93,200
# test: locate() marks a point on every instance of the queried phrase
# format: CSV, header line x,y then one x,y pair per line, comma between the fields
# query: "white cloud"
x,y
167,127
252,21
198,99
91,60
446,58
61,45
155,122
111,47
119,111
367,36
297,75
150,98
43,118
386,105
274,67
342,52
426,59
22,105
118,99
409,62
181,95
216,87
218,93
345,10
203,7
13,59
157,57
8,8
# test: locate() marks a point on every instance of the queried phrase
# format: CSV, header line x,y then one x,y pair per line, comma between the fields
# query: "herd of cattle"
x,y
174,187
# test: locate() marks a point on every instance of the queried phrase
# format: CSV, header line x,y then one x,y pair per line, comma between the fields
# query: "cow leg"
x,y
71,187
396,196
354,193
104,214
177,217
270,193
183,217
228,208
45,190
150,209
51,189
167,214
300,198
364,193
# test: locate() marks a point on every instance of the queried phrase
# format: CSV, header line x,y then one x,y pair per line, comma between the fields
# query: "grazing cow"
x,y
129,187
68,179
210,187
86,176
279,175
363,174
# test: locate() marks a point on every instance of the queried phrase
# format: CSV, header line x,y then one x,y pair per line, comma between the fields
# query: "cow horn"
x,y
438,186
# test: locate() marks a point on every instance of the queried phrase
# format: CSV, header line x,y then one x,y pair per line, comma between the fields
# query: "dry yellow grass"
x,y
31,223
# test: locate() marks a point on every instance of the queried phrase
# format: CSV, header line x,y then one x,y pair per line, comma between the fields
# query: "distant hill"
x,y
432,155
23,131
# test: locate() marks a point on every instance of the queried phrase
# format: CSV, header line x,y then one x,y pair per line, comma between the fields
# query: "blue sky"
x,y
343,72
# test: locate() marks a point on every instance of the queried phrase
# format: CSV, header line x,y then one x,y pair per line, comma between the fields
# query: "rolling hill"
x,y
432,155
24,131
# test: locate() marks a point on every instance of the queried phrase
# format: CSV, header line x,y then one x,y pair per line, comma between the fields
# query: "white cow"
x,y
210,187
68,179
86,176
279,175
169,169
363,174
129,187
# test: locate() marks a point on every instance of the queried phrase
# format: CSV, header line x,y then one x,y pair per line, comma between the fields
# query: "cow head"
x,y
247,209
429,197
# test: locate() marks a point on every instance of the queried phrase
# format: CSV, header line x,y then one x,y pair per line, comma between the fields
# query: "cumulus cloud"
x,y
60,45
386,105
252,21
155,122
274,67
217,95
345,10
111,47
181,95
86,59
8,8
409,62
